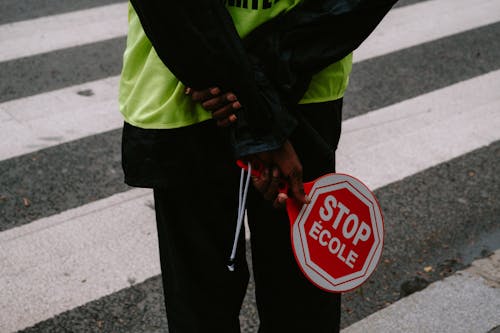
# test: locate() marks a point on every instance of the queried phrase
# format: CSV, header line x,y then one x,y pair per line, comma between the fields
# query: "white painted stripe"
x,y
462,303
389,144
401,28
57,263
104,243
45,120
426,21
45,34
25,130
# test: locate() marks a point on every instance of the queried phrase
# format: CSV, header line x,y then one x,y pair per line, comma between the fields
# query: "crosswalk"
x,y
61,262
45,34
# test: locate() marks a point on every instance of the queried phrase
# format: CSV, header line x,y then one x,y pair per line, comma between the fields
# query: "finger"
x,y
219,101
227,121
226,111
201,96
223,123
280,201
261,183
215,91
273,187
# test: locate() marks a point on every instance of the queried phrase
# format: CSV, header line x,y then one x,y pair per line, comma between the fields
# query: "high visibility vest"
x,y
152,97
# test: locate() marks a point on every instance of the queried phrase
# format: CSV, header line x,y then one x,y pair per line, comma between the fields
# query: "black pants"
x,y
196,217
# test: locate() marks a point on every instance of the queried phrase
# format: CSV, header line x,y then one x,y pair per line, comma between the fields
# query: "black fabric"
x,y
301,42
196,209
195,224
286,300
271,69
150,157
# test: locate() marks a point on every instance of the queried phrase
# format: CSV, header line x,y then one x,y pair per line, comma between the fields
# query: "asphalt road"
x,y
442,217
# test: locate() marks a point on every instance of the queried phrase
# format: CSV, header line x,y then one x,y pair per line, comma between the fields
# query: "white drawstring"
x,y
242,198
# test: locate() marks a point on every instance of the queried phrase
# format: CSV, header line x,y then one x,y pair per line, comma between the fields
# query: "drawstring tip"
x,y
230,265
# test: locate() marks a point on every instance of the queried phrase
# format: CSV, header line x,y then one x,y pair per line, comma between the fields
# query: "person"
x,y
205,83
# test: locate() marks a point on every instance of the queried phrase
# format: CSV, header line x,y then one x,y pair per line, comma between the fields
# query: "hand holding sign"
x,y
287,163
337,239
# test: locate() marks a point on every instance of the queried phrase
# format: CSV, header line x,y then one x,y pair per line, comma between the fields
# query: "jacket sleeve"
x,y
197,41
316,33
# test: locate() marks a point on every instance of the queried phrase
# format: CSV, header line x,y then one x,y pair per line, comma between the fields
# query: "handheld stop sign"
x,y
338,237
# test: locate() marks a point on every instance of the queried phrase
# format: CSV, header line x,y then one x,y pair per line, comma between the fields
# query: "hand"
x,y
282,163
221,105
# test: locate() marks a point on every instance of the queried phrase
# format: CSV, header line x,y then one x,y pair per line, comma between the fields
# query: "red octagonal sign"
x,y
338,237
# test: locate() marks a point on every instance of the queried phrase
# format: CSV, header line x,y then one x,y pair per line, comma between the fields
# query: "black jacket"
x,y
270,69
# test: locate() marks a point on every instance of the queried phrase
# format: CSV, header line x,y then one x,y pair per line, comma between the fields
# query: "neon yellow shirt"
x,y
151,96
